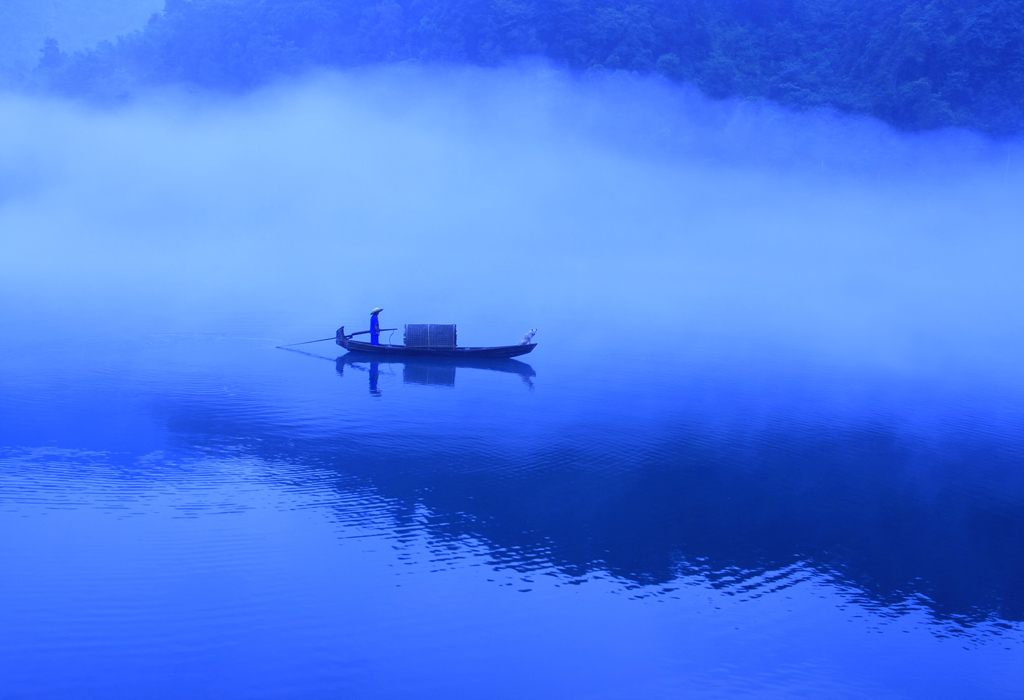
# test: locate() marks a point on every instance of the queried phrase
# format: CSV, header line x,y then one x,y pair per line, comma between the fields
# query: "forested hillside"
x,y
77,24
917,65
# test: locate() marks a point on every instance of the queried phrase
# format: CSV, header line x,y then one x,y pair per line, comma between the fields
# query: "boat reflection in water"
x,y
432,371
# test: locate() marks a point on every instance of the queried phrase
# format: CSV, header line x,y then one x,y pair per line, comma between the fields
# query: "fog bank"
x,y
592,209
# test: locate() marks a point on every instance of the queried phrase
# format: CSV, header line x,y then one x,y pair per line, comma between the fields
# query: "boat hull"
x,y
503,351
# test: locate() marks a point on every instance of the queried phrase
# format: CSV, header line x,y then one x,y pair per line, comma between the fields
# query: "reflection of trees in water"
x,y
906,526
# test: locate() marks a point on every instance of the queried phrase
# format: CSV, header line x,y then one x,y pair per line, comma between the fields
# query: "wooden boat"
x,y
500,351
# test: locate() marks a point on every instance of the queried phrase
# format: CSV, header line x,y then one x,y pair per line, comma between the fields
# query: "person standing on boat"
x,y
375,327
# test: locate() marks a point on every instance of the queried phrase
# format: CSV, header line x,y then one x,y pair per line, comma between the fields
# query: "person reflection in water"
x,y
374,374
375,326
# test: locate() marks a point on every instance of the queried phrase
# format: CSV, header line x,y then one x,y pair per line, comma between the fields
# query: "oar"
x,y
333,337
350,335
307,342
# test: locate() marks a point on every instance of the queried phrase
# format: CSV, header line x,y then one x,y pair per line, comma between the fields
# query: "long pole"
x,y
333,337
306,342
365,332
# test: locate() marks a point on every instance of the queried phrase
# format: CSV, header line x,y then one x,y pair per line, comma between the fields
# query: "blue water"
x,y
208,516
769,445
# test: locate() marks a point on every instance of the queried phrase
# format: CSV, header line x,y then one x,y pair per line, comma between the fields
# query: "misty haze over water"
x,y
769,441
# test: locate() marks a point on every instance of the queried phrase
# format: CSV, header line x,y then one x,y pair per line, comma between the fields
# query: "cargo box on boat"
x,y
430,335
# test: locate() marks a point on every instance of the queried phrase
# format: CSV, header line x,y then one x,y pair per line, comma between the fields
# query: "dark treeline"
x,y
915,64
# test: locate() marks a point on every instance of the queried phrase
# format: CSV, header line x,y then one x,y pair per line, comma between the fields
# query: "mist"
x,y
600,210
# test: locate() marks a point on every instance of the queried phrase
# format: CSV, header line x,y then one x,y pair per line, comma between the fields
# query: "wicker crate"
x,y
430,335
